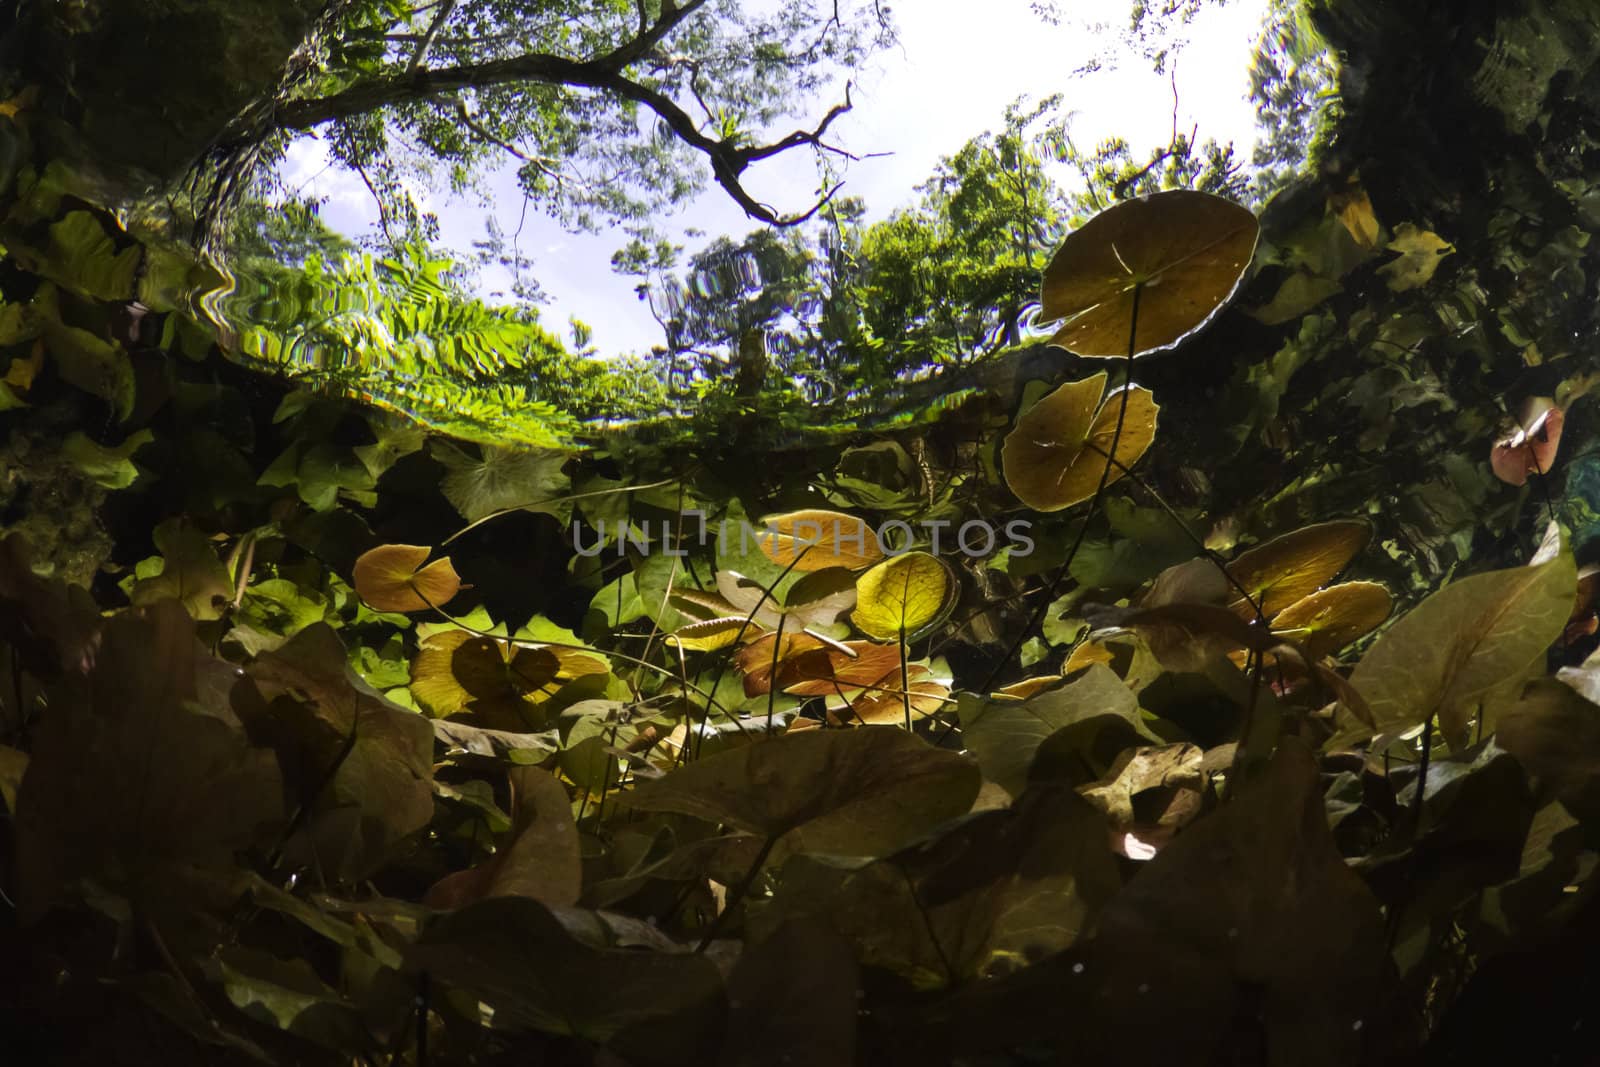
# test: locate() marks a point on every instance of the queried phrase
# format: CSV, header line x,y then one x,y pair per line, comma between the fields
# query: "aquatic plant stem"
x,y
737,894
1094,506
1194,539
1398,910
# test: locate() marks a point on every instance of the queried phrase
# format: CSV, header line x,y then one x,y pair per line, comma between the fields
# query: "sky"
x,y
950,78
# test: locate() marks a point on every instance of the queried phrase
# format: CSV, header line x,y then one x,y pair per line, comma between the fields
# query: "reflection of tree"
x,y
1293,77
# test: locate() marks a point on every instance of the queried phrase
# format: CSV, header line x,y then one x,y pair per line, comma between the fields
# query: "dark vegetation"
x,y
383,682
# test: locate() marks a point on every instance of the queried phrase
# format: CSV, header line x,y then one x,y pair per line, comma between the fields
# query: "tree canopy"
x,y
610,109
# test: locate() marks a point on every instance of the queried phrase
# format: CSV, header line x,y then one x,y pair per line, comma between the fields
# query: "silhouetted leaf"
x,y
793,1000
859,792
540,859
140,769
995,892
532,966
1005,735
325,720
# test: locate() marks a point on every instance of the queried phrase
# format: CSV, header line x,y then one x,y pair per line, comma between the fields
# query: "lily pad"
x,y
1297,564
902,596
819,539
1182,252
1331,618
393,578
1056,455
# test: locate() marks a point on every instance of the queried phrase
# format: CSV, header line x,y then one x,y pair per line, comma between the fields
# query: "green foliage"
x,y
459,86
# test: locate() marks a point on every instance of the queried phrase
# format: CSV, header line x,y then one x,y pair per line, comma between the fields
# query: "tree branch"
x,y
728,159
429,37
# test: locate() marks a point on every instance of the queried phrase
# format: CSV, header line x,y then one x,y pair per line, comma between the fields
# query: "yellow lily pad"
x,y
1297,564
393,578
711,634
1331,618
1055,456
901,596
457,671
1183,252
819,539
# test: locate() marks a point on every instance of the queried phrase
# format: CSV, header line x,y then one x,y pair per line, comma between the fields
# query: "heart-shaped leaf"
x,y
902,596
1465,639
1184,252
863,792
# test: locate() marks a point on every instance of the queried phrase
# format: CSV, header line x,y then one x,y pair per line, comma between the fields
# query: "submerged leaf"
x,y
1464,640
859,792
1091,718
1332,618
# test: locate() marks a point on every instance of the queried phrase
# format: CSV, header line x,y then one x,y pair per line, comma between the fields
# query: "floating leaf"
x,y
778,661
901,596
1056,455
393,578
1421,252
1331,618
852,665
883,701
1297,564
819,539
712,634
455,671
1464,640
1183,251
859,792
